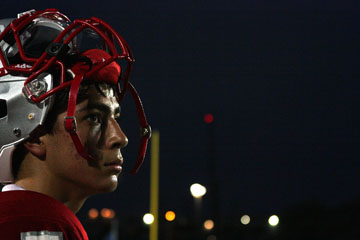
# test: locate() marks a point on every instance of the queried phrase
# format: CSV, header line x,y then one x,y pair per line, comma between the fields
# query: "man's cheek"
x,y
93,143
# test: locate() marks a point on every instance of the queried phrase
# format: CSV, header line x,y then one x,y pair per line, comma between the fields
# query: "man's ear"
x,y
38,149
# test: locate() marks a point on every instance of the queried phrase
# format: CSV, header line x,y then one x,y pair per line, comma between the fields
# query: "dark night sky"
x,y
281,79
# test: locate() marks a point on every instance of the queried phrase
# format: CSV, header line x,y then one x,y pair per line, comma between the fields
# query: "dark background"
x,y
281,79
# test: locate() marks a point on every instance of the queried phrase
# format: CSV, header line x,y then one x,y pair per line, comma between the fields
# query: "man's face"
x,y
102,138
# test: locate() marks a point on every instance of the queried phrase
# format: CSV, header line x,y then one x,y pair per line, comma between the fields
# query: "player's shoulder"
x,y
27,212
32,203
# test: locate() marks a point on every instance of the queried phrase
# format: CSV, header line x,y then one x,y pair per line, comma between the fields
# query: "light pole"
x,y
198,191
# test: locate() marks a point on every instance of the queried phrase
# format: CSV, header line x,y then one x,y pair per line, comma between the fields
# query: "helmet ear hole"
x,y
3,108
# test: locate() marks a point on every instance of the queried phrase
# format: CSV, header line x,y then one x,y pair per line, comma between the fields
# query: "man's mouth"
x,y
116,162
115,165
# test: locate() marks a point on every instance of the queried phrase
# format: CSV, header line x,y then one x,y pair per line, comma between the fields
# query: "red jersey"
x,y
31,215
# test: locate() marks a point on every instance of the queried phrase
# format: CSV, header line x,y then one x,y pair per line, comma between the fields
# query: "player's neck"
x,y
36,176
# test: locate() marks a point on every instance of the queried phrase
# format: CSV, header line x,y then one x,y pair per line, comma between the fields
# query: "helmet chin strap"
x,y
70,120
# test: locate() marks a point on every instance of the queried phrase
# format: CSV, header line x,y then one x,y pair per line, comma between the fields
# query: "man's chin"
x,y
109,186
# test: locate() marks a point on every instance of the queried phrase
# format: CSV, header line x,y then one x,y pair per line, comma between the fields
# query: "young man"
x,y
59,101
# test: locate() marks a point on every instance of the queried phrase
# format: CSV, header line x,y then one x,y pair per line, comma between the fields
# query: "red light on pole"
x,y
208,118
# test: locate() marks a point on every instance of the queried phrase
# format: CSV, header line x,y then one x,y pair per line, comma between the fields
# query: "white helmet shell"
x,y
19,116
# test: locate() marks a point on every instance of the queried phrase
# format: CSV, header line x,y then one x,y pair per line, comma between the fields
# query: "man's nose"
x,y
116,138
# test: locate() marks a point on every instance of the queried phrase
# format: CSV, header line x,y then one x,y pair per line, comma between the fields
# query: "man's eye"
x,y
94,118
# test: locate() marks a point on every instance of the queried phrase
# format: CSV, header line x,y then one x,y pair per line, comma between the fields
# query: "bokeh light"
x,y
209,224
273,220
107,213
208,118
148,218
93,213
170,216
245,219
197,190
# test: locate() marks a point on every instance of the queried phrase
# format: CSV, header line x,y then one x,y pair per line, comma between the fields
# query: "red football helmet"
x,y
39,40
